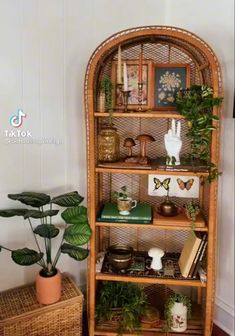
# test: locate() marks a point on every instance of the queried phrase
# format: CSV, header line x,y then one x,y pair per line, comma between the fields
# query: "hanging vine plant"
x,y
196,105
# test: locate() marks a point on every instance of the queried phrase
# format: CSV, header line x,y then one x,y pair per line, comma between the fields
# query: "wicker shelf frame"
x,y
161,44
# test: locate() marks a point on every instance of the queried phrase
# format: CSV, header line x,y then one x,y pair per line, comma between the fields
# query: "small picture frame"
x,y
133,79
168,80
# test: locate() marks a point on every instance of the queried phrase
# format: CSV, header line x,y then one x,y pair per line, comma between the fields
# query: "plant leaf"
x,y
46,231
75,252
26,257
78,234
68,200
40,214
31,198
75,215
13,212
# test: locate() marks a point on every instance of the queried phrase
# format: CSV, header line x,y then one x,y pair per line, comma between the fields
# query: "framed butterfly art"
x,y
178,186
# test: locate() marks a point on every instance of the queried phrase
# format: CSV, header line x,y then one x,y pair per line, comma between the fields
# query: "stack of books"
x,y
192,254
142,214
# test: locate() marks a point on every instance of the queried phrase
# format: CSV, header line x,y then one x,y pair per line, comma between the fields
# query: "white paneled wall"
x,y
45,47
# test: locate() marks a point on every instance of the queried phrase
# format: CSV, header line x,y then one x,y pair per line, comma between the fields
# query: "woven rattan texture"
x,y
21,315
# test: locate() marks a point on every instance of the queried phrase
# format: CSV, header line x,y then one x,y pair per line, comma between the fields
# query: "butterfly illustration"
x,y
185,185
158,184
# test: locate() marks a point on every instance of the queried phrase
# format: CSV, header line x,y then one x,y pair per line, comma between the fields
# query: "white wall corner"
x,y
224,316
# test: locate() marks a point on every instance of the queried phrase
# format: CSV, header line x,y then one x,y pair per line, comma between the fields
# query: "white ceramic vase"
x,y
179,317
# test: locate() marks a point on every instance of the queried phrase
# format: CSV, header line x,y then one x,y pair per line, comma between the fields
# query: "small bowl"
x,y
120,256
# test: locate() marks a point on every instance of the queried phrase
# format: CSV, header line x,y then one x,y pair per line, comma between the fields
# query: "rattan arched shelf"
x,y
161,45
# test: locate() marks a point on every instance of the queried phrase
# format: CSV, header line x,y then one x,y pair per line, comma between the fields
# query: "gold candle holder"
x,y
140,97
126,95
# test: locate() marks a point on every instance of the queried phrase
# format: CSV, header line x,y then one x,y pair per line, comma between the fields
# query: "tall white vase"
x,y
179,317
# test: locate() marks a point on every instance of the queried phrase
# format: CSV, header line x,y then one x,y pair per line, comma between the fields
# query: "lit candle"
x,y
119,66
125,80
141,64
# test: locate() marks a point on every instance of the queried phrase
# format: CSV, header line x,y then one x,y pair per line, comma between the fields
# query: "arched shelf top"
x,y
196,49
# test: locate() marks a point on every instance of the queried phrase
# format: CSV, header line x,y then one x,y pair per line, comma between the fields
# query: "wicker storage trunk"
x,y
22,315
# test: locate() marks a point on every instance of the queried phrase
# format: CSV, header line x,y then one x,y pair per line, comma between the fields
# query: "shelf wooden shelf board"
x,y
152,226
144,171
143,114
178,222
148,280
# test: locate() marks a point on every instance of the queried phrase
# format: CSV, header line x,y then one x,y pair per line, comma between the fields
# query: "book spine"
x,y
137,218
197,256
199,261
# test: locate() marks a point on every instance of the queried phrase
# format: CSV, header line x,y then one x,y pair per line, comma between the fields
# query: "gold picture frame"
x,y
133,79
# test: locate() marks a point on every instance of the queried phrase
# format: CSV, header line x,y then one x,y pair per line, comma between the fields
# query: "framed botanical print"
x,y
168,80
133,79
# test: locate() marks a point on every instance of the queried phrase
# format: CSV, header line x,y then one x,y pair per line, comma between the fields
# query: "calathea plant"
x,y
76,232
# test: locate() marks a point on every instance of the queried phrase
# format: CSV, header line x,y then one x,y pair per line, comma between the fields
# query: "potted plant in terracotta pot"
x,y
76,232
178,309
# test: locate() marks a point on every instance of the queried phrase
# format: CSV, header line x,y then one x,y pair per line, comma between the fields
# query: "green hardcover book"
x,y
142,212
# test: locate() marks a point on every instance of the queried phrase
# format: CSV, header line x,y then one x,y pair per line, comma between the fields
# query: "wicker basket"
x,y
22,315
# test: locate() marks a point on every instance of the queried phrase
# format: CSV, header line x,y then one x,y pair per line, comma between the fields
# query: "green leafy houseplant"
x,y
76,233
122,302
122,193
196,105
176,298
192,210
106,87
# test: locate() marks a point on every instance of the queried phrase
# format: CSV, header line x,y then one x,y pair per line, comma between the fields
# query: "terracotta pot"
x,y
48,288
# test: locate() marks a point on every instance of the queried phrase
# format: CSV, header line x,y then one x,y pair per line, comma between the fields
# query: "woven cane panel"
x,y
157,128
162,50
22,315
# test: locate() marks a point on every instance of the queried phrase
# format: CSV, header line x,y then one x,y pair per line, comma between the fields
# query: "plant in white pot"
x,y
178,309
76,232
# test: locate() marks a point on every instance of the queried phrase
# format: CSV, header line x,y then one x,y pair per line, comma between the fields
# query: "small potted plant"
x,y
192,210
122,303
178,309
124,203
106,89
76,233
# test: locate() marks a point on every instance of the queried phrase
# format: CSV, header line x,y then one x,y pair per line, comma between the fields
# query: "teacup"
x,y
125,205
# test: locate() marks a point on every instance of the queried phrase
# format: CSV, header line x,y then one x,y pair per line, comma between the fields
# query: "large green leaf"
x,y
13,212
68,200
75,215
46,231
31,198
26,257
40,214
75,252
78,234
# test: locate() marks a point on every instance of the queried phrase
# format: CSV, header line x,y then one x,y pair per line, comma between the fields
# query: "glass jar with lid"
x,y
108,144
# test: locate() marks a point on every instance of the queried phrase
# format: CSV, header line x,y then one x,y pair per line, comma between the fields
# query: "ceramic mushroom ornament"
x,y
128,144
156,253
144,139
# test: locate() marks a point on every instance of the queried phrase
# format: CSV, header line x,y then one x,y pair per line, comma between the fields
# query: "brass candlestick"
x,y
140,96
126,95
119,97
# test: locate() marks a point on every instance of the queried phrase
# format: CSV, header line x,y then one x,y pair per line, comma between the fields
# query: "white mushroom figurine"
x,y
156,253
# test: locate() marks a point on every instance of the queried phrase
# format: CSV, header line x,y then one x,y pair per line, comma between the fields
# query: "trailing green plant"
x,y
76,231
179,298
106,87
123,302
122,193
192,210
196,105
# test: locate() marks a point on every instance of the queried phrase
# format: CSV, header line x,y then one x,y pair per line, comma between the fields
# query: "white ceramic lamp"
x,y
156,253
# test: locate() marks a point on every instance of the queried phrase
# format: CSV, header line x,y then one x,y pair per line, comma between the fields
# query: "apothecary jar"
x,y
108,144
